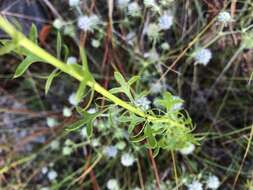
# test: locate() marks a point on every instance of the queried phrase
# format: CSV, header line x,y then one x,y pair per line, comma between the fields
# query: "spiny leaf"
x,y
23,66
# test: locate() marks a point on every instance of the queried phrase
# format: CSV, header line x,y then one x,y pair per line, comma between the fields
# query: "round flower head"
x,y
153,30
165,21
178,103
66,150
58,23
112,184
156,87
52,175
149,3
142,103
213,182
195,185
88,23
187,149
127,159
74,3
134,9
71,60
66,112
122,4
111,151
73,100
95,43
44,170
203,56
224,17
55,144
51,122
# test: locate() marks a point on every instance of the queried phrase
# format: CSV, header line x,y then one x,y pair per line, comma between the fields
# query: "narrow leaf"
x,y
33,34
50,80
23,66
58,45
133,80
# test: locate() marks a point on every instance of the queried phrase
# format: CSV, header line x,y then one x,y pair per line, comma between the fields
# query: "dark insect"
x,y
23,13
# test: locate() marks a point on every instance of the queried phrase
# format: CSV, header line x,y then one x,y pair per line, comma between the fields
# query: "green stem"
x,y
48,58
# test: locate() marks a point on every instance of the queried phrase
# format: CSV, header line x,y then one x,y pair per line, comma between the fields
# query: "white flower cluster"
x,y
166,21
195,185
112,184
71,60
134,9
122,4
73,100
111,151
66,112
88,23
74,3
51,122
142,103
213,182
224,17
127,159
203,56
187,149
51,175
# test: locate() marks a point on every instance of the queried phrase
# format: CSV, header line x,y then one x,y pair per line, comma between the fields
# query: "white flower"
x,y
153,30
74,3
88,23
95,43
203,56
95,143
187,149
66,150
179,103
134,9
149,3
122,4
55,145
44,188
157,87
224,17
165,46
66,112
142,103
130,38
44,170
121,145
92,110
111,151
213,182
51,122
195,185
52,175
58,23
112,184
73,100
127,159
152,56
84,132
71,60
165,21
